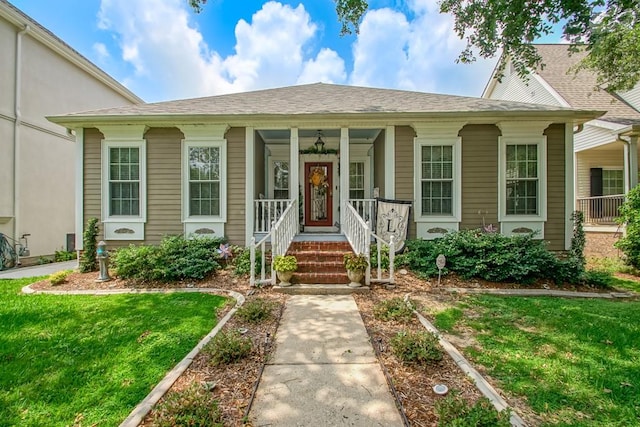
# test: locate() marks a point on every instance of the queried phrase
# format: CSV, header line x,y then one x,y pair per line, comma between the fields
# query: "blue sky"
x,y
161,49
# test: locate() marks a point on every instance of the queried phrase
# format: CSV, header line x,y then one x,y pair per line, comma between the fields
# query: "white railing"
x,y
366,208
280,235
360,237
268,211
600,209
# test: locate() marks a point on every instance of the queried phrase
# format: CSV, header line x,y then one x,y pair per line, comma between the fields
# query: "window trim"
x,y
613,168
106,196
456,208
541,143
186,145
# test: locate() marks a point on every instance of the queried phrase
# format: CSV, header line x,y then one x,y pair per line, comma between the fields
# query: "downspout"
x,y
16,133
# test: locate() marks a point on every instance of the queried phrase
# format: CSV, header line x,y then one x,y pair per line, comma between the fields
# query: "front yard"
x,y
89,360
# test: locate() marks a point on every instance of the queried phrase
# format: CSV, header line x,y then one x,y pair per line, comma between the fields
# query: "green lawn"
x,y
577,362
90,359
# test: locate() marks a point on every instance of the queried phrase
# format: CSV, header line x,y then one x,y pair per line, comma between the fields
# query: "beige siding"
x,y
610,157
91,176
554,229
404,170
236,186
479,175
164,178
378,165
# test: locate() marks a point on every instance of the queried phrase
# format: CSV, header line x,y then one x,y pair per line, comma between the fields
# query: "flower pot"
x,y
285,277
355,276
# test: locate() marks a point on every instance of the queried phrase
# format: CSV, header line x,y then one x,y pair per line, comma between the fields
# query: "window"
x,y
356,180
124,181
436,180
612,182
204,181
280,179
522,179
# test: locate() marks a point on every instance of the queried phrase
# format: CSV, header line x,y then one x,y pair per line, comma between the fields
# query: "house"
x,y
40,75
606,148
220,165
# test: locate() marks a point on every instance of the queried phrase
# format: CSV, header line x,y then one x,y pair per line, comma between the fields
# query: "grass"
x,y
577,362
71,360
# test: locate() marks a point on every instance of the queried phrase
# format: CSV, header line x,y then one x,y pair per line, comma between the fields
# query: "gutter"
x,y
16,133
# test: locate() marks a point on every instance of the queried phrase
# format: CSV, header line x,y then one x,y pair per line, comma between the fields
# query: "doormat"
x,y
392,219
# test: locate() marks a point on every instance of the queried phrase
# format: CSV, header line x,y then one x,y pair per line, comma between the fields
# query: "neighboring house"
x,y
40,75
606,149
220,165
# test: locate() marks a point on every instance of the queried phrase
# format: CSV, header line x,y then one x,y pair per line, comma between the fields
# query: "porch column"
x,y
633,161
390,162
294,168
249,173
344,170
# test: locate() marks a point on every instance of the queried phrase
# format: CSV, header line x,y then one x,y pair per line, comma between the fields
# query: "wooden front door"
x,y
318,194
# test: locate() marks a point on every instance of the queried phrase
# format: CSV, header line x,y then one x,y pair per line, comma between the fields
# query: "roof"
x,y
320,99
18,18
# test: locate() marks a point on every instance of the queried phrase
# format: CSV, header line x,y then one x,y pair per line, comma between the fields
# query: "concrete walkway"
x,y
324,371
38,270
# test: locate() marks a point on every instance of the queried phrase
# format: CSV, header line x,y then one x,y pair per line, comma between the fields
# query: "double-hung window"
x,y
124,181
522,179
612,182
356,180
280,179
437,180
204,181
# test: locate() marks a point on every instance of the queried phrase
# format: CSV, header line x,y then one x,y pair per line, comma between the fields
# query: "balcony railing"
x,y
600,209
266,212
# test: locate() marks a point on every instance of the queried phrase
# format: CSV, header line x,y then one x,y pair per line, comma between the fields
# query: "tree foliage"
x,y
609,31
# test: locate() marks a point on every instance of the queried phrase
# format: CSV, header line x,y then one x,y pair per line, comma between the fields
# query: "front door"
x,y
318,195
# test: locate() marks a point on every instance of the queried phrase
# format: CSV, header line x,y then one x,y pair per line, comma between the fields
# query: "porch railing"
x,y
600,209
366,208
280,235
266,212
359,234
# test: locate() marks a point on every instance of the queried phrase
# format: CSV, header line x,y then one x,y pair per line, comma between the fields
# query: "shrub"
x,y
256,311
454,411
193,406
416,347
598,278
227,347
492,257
176,258
58,278
88,260
285,263
63,255
393,309
355,262
242,262
629,244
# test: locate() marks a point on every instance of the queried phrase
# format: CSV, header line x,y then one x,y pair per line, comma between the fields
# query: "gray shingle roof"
x,y
579,89
318,99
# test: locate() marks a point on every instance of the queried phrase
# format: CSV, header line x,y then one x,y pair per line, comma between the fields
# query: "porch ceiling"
x,y
308,136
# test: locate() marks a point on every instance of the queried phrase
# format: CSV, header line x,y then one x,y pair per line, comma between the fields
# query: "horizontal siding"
x,y
91,176
236,186
592,136
479,175
404,170
612,158
632,97
514,88
554,229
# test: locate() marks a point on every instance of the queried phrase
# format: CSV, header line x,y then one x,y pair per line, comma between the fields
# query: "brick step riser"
x,y
320,246
321,268
313,278
320,258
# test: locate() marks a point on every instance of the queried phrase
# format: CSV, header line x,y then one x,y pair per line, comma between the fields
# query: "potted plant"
x,y
356,265
285,265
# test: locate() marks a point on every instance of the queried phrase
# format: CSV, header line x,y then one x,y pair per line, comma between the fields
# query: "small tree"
x,y
629,244
88,261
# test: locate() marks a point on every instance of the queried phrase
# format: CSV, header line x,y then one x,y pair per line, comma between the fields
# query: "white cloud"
x,y
101,52
327,67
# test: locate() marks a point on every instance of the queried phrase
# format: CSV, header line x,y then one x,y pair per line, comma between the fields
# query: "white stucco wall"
x,y
50,85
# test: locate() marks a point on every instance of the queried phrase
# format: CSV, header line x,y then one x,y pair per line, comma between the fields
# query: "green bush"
x,y
58,278
492,257
454,411
598,278
285,263
194,407
175,259
227,347
63,255
256,311
242,262
629,244
393,309
88,261
416,347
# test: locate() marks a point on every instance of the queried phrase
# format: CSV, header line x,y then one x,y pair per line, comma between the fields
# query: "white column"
x,y
250,170
625,163
390,162
294,164
344,170
633,161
